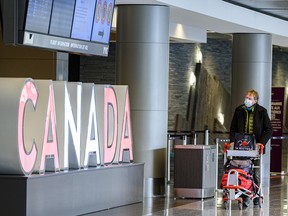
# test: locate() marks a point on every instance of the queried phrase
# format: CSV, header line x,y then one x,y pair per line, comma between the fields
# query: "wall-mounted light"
x,y
220,118
198,55
192,79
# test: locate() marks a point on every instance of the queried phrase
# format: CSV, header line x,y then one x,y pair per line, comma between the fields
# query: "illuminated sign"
x,y
57,125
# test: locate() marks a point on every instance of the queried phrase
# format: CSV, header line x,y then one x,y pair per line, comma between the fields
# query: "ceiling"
x,y
221,18
274,8
199,17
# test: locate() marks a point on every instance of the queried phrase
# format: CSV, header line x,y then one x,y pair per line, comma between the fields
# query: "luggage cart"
x,y
232,190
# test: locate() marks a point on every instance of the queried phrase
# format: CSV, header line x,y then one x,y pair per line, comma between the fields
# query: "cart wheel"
x,y
261,201
240,205
226,205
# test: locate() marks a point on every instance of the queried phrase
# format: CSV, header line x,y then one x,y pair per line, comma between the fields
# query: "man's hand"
x,y
260,146
227,146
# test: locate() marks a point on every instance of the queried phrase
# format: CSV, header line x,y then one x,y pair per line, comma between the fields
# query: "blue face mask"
x,y
248,103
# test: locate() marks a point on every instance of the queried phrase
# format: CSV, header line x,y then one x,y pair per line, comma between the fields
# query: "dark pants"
x,y
256,175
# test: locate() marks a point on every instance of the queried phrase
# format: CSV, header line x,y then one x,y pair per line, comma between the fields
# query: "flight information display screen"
x,y
38,15
61,17
69,25
102,21
83,19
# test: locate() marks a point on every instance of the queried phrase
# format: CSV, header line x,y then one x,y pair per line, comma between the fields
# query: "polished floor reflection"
x,y
275,200
275,203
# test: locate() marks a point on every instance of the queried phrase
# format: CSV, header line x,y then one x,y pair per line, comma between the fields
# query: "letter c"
x,y
27,159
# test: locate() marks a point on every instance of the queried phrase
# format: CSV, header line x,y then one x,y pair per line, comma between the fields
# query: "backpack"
x,y
245,165
245,180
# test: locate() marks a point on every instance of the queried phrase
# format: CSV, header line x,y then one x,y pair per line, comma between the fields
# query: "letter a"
x,y
50,147
126,137
92,145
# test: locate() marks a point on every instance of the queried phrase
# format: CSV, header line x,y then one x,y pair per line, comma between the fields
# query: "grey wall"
x,y
214,88
101,70
98,69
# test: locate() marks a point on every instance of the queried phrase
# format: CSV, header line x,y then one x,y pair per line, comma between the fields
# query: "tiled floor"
x,y
275,203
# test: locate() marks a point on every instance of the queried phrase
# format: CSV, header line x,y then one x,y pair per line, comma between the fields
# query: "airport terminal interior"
x,y
189,86
275,195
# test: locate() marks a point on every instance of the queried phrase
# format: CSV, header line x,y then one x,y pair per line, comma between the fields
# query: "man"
x,y
251,118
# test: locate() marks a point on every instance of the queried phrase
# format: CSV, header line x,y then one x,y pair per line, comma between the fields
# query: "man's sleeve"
x,y
267,127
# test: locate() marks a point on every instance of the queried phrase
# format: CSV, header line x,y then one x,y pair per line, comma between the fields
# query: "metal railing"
x,y
183,138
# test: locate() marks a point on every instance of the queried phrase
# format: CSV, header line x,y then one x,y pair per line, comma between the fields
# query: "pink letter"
x,y
50,147
110,100
29,93
126,137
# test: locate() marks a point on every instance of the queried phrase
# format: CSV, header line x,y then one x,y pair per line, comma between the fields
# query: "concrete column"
x,y
62,63
142,56
252,69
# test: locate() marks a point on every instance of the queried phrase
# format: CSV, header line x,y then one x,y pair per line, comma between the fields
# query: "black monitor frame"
x,y
14,32
1,21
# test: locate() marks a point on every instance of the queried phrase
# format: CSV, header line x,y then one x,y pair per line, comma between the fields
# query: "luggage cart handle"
x,y
227,146
261,148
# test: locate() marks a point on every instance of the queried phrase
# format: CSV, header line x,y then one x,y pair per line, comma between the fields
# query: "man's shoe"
x,y
256,201
246,202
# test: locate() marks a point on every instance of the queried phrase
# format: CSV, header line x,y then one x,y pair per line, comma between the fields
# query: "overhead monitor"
x,y
75,26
